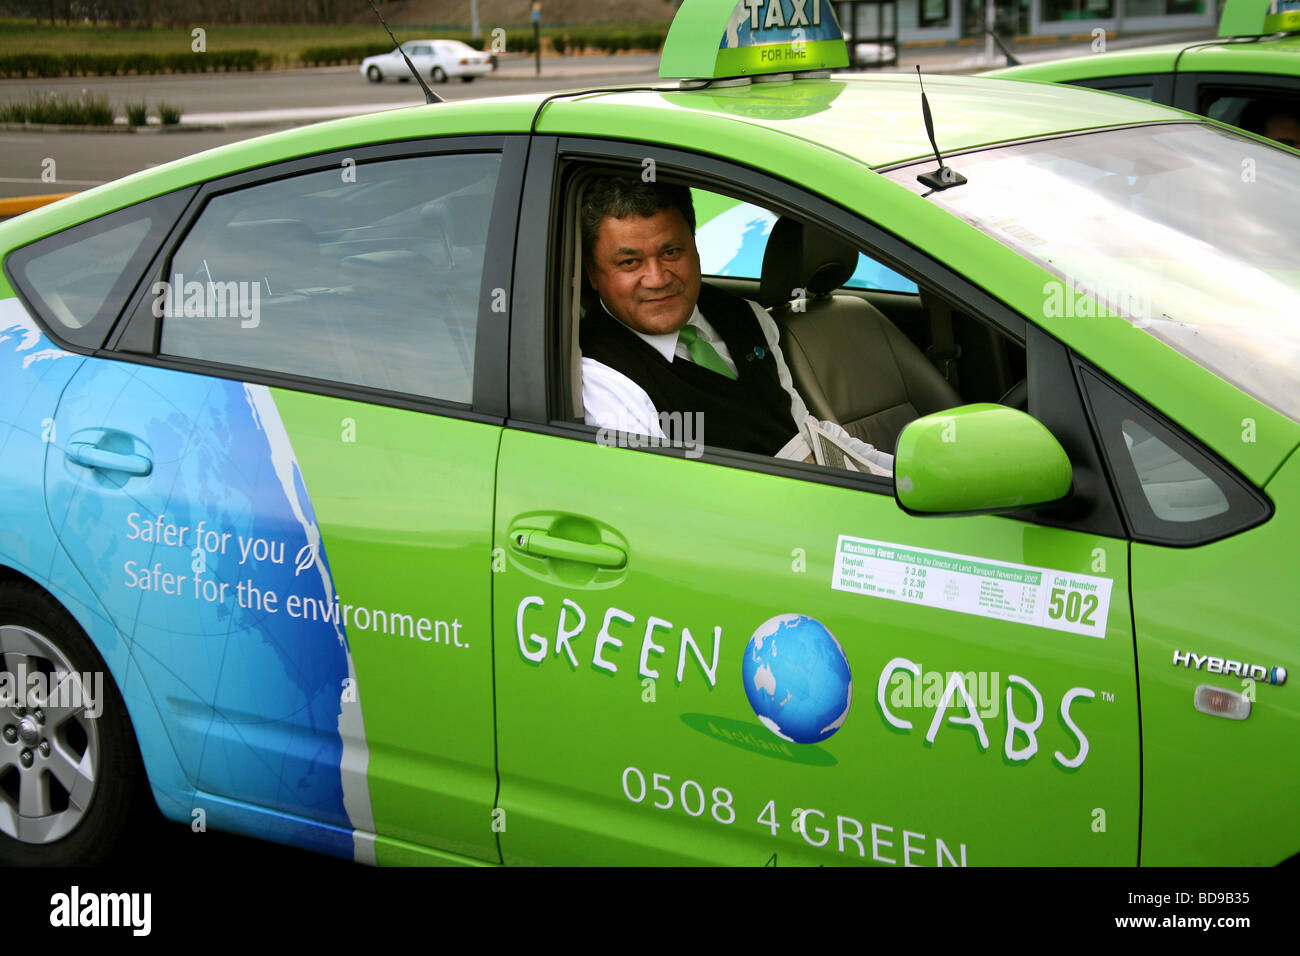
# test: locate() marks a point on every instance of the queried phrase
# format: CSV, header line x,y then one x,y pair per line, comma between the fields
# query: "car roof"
x,y
875,120
1275,55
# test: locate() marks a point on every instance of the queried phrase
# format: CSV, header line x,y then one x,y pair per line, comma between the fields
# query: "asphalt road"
x,y
336,85
249,104
82,160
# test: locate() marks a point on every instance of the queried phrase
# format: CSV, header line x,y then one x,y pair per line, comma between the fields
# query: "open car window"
x,y
868,350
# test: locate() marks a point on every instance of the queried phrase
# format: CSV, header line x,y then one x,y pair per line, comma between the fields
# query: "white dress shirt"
x,y
612,400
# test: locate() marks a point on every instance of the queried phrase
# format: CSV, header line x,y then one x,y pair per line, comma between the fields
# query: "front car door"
x,y
644,597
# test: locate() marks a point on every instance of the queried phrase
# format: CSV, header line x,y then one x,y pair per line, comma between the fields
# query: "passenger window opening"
x,y
866,347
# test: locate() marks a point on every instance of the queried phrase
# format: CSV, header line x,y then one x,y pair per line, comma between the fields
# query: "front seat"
x,y
850,363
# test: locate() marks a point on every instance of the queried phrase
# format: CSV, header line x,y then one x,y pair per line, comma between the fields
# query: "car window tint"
x,y
365,275
1271,113
1175,489
732,237
78,280
75,281
1141,91
1172,490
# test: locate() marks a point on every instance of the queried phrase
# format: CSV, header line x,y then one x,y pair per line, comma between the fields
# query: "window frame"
x,y
137,336
538,389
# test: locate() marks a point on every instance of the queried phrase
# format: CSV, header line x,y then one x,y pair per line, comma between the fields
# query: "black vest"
x,y
750,413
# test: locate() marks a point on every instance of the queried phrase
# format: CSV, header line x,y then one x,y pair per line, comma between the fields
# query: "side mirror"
x,y
978,458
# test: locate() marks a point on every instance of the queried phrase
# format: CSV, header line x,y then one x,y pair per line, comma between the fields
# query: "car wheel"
x,y
439,75
374,75
70,772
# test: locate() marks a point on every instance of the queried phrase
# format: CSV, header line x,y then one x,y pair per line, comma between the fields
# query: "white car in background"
x,y
439,60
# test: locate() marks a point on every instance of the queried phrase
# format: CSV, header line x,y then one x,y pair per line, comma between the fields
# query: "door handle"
x,y
92,456
549,546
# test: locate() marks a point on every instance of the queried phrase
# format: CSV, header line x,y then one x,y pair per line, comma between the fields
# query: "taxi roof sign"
x,y
717,39
1242,18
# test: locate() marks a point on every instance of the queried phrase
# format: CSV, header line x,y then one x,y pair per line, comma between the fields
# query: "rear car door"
x,y
281,485
976,704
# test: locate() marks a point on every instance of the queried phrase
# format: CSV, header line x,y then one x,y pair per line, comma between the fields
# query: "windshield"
x,y
1190,232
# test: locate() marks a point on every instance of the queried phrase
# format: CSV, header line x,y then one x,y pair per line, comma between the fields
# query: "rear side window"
x,y
1140,91
1138,86
368,277
732,238
1271,113
1173,491
77,281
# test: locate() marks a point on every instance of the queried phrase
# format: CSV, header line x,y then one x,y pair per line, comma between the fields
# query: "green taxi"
x,y
1249,76
306,534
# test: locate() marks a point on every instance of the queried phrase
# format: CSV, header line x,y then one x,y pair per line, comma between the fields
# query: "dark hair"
x,y
623,196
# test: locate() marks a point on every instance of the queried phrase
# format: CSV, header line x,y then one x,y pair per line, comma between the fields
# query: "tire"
x,y
374,74
107,781
439,75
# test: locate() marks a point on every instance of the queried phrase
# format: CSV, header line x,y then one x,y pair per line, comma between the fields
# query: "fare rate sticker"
x,y
1060,600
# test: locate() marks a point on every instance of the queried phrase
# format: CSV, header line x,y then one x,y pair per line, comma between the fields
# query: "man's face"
x,y
1284,128
646,269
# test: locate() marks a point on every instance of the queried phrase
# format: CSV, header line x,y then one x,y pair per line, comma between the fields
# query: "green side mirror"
x,y
979,458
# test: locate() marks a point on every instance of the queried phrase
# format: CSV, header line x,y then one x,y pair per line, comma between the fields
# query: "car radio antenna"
x,y
1011,58
945,177
429,95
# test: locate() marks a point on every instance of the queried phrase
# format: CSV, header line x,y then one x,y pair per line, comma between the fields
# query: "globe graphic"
x,y
797,678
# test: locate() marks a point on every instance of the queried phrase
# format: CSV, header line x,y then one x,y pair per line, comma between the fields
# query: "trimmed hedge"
x,y
115,64
340,55
574,41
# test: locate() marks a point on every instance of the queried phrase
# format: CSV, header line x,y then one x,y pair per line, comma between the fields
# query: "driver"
x,y
661,341
1275,118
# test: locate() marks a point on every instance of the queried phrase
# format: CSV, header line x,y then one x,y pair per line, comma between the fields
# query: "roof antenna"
x,y
1011,59
429,95
945,177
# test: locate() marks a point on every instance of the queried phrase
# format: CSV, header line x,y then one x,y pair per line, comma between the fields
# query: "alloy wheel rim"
x,y
49,746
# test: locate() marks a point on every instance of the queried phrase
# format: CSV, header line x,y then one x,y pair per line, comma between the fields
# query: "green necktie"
x,y
702,353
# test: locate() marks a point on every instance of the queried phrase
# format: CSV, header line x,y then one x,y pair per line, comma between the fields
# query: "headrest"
x,y
803,257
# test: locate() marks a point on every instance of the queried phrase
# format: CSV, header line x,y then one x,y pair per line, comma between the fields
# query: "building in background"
x,y
949,20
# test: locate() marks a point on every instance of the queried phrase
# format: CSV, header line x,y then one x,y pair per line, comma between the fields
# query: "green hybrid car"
x,y
305,535
1249,76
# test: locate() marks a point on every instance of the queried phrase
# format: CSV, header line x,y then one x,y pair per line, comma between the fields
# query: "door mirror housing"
x,y
977,459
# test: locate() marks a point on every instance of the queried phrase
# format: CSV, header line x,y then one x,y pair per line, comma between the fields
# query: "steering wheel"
x,y
1017,396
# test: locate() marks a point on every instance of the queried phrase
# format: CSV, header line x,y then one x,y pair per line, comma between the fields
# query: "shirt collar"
x,y
664,343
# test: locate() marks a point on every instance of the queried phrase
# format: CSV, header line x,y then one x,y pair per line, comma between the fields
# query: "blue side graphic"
x,y
206,565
